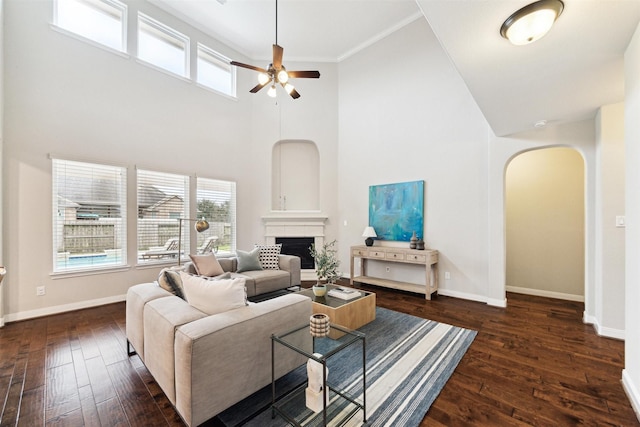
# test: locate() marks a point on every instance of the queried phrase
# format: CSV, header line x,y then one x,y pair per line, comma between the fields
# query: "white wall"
x,y
406,115
579,135
70,98
2,261
610,240
631,373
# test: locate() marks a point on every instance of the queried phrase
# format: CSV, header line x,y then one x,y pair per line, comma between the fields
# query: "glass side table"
x,y
337,403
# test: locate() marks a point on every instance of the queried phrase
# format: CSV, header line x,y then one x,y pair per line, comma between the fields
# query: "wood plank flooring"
x,y
534,363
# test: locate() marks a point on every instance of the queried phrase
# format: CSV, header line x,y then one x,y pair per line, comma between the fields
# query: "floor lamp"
x,y
200,226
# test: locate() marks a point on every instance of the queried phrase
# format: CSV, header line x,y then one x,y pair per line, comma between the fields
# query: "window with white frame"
x,y
215,71
162,199
102,21
162,46
216,201
89,215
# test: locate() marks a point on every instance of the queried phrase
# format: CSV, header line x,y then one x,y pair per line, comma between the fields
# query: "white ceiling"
x,y
561,78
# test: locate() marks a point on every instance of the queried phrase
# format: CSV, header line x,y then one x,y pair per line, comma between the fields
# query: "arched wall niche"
x,y
295,176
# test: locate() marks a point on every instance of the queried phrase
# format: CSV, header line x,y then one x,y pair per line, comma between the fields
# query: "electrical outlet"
x,y
388,269
447,275
40,291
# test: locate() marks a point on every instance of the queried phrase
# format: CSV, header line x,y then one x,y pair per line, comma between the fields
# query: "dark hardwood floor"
x,y
534,363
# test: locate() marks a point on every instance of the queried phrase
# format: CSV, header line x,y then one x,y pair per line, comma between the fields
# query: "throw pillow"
x,y
269,256
226,275
248,261
214,296
169,280
206,265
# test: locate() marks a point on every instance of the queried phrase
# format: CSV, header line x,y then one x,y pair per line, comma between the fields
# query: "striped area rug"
x,y
409,360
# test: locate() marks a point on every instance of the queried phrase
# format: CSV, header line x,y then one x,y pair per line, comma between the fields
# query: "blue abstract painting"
x,y
397,210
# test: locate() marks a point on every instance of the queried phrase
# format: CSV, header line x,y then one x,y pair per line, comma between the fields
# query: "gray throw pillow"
x,y
169,280
248,261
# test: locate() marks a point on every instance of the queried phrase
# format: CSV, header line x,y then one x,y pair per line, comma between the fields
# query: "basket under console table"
x,y
427,259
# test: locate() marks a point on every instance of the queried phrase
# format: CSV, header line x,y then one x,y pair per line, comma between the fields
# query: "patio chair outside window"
x,y
169,250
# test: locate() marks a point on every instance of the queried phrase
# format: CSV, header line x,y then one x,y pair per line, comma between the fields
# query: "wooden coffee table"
x,y
351,314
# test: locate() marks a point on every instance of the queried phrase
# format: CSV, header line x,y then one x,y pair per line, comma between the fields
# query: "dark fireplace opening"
x,y
298,246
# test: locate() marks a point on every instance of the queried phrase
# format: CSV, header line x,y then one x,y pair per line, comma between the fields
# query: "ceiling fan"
x,y
276,73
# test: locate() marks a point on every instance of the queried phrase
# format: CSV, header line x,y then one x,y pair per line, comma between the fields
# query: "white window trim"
x,y
165,31
217,55
125,20
92,270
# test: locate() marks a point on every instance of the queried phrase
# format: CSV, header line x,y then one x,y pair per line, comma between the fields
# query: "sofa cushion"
x,y
161,318
206,265
268,256
248,261
137,297
214,296
267,280
169,280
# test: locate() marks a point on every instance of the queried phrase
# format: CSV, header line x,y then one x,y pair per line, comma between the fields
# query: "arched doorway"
x,y
545,223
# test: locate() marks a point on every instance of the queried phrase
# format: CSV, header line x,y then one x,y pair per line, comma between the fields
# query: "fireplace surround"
x,y
285,224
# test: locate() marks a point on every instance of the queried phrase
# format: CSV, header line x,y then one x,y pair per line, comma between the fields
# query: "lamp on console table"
x,y
369,233
200,226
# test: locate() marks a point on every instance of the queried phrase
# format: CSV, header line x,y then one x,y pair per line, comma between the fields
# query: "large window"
x,y
103,21
89,216
217,204
162,46
215,71
162,199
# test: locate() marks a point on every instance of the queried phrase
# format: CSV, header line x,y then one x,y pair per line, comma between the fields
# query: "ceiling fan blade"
x,y
294,94
258,87
278,51
304,74
251,67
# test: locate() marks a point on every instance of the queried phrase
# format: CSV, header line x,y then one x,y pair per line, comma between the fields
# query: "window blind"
x,y
162,199
89,215
216,202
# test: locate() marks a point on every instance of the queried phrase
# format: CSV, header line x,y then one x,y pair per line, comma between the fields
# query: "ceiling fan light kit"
x,y
276,73
531,22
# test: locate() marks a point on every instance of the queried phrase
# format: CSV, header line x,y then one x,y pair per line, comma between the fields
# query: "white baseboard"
x,y
461,295
603,331
497,302
30,314
542,293
632,392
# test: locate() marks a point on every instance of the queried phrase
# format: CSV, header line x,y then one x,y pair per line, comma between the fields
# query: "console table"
x,y
427,259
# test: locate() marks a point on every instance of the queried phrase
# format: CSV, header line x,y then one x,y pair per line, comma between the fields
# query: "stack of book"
x,y
344,293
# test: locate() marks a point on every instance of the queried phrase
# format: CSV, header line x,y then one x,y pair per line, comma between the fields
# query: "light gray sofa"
x,y
206,363
261,281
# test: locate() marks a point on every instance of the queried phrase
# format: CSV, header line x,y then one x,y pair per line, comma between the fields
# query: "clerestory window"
x,y
162,46
215,71
102,21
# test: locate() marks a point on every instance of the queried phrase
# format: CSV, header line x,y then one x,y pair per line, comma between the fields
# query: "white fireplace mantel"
x,y
295,224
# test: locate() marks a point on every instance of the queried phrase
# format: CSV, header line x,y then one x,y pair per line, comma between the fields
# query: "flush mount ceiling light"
x,y
531,22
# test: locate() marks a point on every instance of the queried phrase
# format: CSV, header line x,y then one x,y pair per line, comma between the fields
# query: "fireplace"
x,y
298,246
296,225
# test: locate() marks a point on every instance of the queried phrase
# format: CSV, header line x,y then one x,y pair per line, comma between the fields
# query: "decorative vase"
x,y
319,289
420,245
319,325
414,241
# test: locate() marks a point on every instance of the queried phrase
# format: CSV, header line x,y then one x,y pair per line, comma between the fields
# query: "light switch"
x,y
620,221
